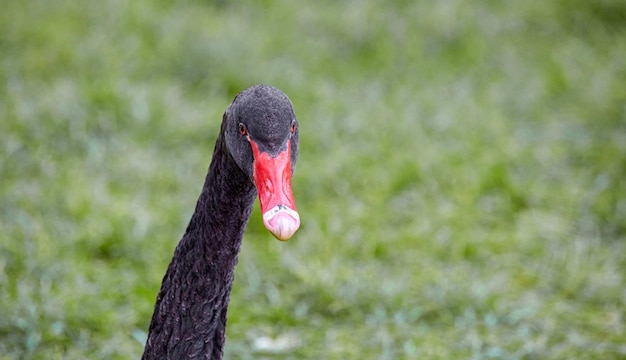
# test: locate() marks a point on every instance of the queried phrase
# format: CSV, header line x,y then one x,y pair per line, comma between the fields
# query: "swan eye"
x,y
293,127
242,129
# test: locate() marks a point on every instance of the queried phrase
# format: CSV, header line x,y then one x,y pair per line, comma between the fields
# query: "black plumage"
x,y
189,319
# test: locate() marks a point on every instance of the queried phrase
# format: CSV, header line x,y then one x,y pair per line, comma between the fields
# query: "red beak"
x,y
272,177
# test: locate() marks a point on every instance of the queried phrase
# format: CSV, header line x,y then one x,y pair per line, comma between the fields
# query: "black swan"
x,y
255,152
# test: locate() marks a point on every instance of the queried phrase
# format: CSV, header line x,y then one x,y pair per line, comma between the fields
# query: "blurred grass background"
x,y
461,177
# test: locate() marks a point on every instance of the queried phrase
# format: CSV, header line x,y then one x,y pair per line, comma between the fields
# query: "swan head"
x,y
261,133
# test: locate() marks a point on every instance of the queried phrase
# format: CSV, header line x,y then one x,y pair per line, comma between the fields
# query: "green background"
x,y
461,181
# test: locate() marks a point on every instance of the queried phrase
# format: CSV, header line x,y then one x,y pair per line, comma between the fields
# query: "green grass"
x,y
461,177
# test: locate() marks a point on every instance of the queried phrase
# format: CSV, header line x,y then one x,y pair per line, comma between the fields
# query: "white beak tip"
x,y
282,222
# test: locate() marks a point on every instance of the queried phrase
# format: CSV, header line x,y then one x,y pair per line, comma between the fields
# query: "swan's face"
x,y
261,134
